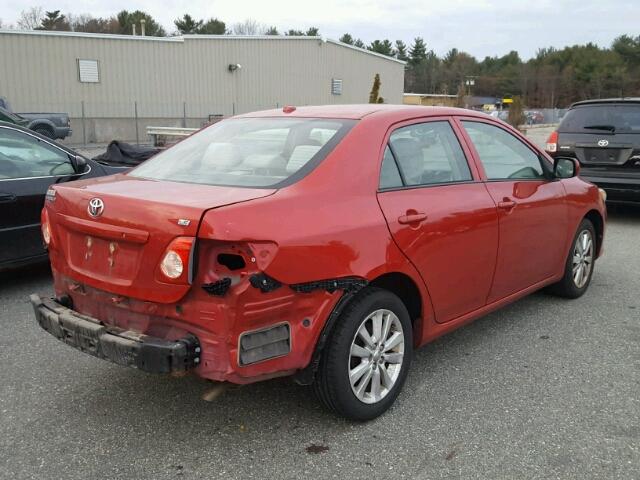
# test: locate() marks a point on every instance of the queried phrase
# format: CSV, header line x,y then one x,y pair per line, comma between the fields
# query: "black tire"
x,y
567,287
332,384
44,130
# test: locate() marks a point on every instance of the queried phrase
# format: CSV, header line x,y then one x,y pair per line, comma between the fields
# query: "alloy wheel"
x,y
582,258
376,356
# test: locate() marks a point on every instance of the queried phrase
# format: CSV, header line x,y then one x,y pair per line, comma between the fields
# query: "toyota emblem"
x,y
95,207
603,143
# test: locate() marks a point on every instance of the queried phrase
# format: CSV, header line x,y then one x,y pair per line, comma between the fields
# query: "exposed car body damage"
x,y
276,266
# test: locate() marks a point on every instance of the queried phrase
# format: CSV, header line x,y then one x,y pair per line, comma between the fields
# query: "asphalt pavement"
x,y
545,388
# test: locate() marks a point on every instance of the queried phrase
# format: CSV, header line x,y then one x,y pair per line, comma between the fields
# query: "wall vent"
x,y
336,86
88,71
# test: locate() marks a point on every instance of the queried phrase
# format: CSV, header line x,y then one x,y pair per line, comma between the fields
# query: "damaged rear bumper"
x,y
124,347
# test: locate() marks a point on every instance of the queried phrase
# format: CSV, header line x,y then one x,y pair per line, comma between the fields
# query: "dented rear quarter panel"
x,y
306,232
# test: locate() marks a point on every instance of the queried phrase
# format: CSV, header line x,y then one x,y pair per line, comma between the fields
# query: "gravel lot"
x,y
545,388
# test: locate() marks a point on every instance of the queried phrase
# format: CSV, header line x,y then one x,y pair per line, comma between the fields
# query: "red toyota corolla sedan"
x,y
324,243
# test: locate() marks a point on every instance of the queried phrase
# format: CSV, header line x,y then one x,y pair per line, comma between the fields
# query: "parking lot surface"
x,y
545,388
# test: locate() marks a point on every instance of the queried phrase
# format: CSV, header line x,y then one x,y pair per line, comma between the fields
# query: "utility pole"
x,y
469,81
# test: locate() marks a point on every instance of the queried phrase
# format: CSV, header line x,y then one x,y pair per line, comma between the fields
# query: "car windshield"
x,y
605,118
248,152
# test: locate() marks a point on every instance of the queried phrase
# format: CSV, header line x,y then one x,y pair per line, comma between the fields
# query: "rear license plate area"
x,y
99,257
601,155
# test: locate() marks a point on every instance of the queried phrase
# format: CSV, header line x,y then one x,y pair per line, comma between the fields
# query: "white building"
x,y
105,81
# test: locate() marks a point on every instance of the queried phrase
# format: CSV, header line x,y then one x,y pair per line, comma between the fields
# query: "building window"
x,y
336,86
88,71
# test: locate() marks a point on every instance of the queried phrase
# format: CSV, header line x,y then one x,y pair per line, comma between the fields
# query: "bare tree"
x,y
86,22
30,19
249,27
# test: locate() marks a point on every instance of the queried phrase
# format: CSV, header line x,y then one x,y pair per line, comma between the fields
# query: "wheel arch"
x,y
397,283
598,223
41,123
405,288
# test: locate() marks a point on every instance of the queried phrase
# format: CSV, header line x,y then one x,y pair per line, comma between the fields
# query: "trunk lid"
x,y
119,249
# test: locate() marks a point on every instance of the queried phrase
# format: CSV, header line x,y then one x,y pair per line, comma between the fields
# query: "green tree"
x,y
417,52
628,48
54,21
385,47
313,32
346,38
359,43
187,25
272,31
213,26
127,19
401,51
294,33
374,96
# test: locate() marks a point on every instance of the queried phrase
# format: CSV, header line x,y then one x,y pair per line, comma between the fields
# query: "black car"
x,y
29,164
604,135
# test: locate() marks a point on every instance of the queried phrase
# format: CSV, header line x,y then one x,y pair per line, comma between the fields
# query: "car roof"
x,y
359,111
600,101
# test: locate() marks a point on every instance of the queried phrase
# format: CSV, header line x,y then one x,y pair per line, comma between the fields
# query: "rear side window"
x,y
249,152
605,118
503,156
389,174
428,154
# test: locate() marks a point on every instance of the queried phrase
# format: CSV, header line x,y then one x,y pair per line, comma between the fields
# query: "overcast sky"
x,y
480,27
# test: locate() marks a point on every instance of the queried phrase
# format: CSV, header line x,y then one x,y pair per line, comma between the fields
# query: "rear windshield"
x,y
602,118
248,152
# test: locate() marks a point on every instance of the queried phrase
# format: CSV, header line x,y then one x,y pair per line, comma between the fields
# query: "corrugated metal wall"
x,y
165,77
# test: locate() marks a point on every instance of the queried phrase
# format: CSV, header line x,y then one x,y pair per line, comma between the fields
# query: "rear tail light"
x,y
176,260
552,142
172,265
45,227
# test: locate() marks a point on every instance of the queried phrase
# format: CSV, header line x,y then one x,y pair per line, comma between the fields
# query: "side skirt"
x,y
435,330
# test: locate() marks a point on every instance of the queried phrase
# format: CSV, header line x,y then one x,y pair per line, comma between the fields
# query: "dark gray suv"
x,y
604,135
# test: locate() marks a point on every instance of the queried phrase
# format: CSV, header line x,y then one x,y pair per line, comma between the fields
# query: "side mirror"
x,y
566,167
79,164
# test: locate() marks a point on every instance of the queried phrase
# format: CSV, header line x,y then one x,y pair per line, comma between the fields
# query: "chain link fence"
x,y
544,115
102,122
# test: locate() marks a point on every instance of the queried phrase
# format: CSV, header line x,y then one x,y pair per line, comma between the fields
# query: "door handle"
x,y
506,204
412,217
7,198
